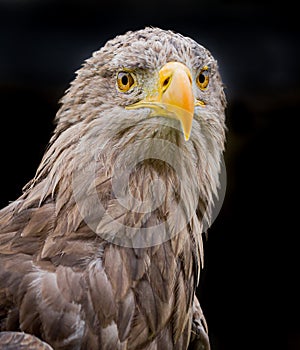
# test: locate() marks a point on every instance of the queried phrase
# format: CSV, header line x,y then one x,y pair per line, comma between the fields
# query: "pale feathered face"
x,y
157,74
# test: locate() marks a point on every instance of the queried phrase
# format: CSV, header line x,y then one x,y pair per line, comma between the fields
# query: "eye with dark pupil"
x,y
203,79
124,81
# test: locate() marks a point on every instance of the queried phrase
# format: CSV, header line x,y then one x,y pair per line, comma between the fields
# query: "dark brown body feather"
x,y
21,341
74,273
75,290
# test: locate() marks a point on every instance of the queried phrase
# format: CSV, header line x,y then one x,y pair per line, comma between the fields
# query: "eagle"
x,y
104,248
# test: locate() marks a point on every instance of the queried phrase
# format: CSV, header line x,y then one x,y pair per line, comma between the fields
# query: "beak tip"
x,y
186,137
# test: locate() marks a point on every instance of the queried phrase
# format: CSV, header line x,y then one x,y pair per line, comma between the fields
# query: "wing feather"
x,y
21,341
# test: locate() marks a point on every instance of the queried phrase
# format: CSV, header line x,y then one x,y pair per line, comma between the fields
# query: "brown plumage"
x,y
103,250
21,341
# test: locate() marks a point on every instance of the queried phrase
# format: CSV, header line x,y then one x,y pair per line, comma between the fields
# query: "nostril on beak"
x,y
165,83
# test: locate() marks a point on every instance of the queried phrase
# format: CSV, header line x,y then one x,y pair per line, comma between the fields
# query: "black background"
x,y
42,44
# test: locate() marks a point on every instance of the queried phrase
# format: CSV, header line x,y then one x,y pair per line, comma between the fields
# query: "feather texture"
x,y
103,249
21,341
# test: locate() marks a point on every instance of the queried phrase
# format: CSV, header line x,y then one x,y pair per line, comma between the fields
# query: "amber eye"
x,y
203,78
125,81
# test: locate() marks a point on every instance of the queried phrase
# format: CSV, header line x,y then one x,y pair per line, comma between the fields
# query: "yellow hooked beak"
x,y
173,97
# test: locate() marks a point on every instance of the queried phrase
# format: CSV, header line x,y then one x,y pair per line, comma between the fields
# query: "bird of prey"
x,y
103,250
